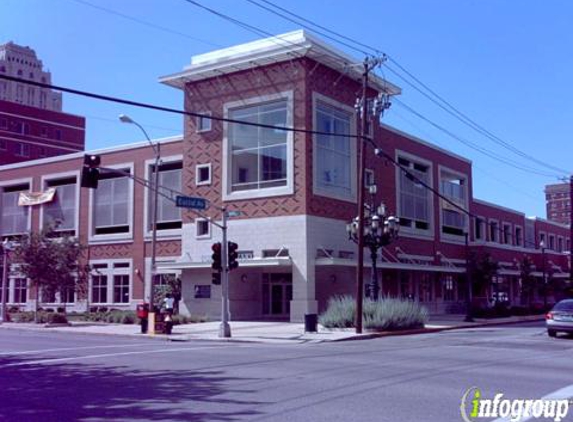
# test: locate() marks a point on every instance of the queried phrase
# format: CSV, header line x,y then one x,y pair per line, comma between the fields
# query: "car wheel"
x,y
552,333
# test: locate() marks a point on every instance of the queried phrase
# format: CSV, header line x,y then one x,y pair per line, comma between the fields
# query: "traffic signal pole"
x,y
224,328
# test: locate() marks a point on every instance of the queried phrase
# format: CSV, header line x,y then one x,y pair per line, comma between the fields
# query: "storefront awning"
x,y
244,263
342,262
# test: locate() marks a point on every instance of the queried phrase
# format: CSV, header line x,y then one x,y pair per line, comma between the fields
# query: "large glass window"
x,y
61,212
258,155
333,153
415,200
20,290
111,205
14,218
121,289
453,187
168,215
99,288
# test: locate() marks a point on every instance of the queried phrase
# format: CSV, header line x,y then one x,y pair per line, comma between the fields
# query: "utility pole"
x,y
469,317
369,64
571,229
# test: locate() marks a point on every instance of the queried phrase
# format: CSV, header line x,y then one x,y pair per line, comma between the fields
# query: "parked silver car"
x,y
560,318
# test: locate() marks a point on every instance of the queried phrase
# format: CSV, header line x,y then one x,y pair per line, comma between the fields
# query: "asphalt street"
x,y
69,377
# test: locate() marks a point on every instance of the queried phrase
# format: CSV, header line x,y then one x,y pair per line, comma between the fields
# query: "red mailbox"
x,y
143,310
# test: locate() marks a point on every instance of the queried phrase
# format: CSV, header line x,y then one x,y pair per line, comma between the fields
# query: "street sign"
x,y
234,213
191,202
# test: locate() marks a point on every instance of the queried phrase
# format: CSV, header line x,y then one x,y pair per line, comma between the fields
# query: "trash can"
x,y
142,310
310,323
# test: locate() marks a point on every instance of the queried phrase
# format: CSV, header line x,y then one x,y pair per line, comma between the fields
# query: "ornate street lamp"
x,y
379,230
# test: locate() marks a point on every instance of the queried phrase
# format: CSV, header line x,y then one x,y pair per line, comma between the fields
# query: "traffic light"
x,y
90,171
217,264
233,255
216,278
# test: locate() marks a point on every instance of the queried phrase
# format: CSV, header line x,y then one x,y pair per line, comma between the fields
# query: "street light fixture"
x,y
155,186
6,247
542,246
379,230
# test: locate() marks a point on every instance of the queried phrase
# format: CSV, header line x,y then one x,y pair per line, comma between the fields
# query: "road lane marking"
x,y
65,349
561,394
107,355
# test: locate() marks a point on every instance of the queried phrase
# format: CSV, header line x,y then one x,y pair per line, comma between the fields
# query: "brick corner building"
x,y
558,202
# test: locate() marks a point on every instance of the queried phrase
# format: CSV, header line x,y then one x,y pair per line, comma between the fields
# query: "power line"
x,y
475,147
145,23
440,102
173,110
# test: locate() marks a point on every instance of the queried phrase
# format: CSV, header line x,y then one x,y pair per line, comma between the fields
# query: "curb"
x,y
368,336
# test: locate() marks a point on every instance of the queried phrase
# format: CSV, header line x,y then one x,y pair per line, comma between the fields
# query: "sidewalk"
x,y
266,332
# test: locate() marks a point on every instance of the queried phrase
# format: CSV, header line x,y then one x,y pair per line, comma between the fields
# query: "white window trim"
x,y
65,175
522,240
13,182
483,221
451,238
496,232
146,200
110,271
316,188
122,237
226,174
205,236
412,231
198,120
505,224
198,167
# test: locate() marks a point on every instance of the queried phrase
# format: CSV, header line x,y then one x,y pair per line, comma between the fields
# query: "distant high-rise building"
x,y
21,62
32,124
558,203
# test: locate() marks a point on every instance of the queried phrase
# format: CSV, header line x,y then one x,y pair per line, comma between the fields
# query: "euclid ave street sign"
x,y
191,202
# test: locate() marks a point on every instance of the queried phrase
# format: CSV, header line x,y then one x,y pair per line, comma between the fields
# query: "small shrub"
x,y
339,312
384,314
57,318
128,318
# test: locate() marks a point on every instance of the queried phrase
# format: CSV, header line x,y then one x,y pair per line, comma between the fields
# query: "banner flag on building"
x,y
36,198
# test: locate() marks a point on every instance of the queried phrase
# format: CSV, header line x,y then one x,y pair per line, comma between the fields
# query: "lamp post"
x,y
379,230
6,247
469,317
542,246
155,186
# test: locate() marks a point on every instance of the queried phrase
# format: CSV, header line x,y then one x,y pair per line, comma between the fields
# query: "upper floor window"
x,y
21,150
61,212
559,244
507,234
493,231
258,155
3,123
518,236
111,211
542,240
203,124
552,242
334,156
479,229
414,199
14,217
168,215
453,187
203,174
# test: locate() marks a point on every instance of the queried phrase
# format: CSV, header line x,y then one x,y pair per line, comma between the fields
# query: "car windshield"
x,y
566,305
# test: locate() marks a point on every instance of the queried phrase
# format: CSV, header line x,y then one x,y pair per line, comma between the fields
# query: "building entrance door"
x,y
277,294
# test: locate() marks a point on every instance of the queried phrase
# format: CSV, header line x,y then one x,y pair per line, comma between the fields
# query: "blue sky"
x,y
505,64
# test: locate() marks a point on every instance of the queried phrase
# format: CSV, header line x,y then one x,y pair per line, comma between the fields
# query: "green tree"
x,y
528,281
51,262
483,268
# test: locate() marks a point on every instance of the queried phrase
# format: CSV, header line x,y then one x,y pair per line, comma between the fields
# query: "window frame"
x,y
202,236
110,271
7,184
288,189
198,168
429,232
198,120
317,189
496,236
465,229
147,229
94,238
58,176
